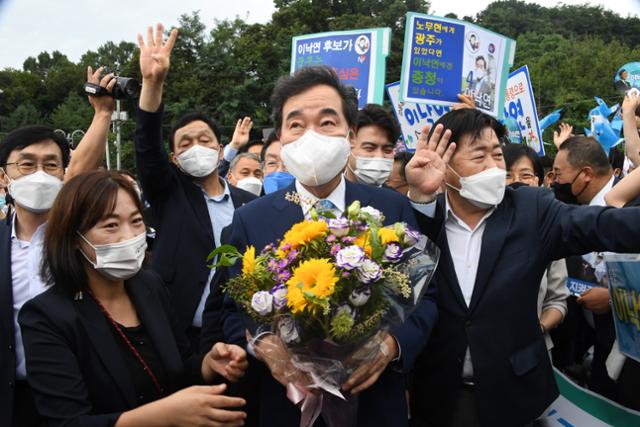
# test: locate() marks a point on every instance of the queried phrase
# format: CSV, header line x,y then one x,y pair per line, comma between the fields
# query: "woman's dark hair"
x,y
468,121
514,152
81,203
25,136
305,78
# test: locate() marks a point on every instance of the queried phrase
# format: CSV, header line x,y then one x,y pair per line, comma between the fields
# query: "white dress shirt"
x,y
337,197
26,258
465,245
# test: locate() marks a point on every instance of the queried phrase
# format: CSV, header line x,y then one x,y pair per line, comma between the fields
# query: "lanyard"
x,y
126,340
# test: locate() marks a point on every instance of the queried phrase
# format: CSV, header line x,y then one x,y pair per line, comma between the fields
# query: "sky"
x,y
28,27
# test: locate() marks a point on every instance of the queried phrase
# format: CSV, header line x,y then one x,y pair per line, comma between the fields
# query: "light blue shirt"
x,y
221,210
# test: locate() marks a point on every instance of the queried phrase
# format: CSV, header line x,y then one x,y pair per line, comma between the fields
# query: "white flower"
x,y
279,293
368,272
360,296
393,252
339,227
346,309
374,213
350,257
262,302
288,330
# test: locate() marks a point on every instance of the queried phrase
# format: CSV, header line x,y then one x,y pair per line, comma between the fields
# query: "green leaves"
x,y
227,256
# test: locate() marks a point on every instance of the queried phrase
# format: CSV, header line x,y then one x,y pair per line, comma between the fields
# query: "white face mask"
x,y
199,161
372,170
250,184
35,192
484,189
480,73
315,159
118,261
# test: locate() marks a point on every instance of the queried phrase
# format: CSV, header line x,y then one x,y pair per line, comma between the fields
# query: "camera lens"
x,y
126,88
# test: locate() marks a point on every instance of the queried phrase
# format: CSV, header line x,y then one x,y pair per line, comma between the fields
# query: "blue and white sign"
x,y
413,117
624,284
445,57
520,106
357,56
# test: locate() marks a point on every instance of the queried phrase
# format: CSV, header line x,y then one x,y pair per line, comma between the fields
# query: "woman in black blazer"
x,y
101,345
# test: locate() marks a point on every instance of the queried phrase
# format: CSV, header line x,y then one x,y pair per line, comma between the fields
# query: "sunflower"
x,y
312,280
387,235
249,261
301,234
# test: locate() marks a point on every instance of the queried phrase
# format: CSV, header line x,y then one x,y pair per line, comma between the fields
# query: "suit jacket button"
x,y
467,323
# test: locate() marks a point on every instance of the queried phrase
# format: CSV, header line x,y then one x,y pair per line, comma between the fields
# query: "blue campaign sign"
x,y
520,108
624,284
445,57
413,117
357,56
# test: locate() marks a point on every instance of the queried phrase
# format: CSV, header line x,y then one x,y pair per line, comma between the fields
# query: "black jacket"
x,y
76,369
512,372
7,332
184,236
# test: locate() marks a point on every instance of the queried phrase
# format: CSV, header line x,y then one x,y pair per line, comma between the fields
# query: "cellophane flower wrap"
x,y
330,289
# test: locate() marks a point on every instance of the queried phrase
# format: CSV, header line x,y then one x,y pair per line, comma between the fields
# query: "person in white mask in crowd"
x,y
189,201
102,346
33,160
486,363
371,158
276,176
315,118
245,172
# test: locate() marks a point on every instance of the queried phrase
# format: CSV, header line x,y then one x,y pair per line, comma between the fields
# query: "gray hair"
x,y
241,156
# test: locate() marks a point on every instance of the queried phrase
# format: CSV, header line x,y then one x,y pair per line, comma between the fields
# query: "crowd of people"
x,y
111,315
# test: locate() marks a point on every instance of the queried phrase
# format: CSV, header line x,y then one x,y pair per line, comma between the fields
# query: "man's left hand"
x,y
101,104
368,373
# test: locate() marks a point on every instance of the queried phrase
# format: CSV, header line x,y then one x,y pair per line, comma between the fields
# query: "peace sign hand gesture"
x,y
155,54
426,170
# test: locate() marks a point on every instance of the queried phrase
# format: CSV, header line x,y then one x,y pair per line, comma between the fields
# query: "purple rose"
x,y
279,293
350,257
339,227
262,302
368,272
411,237
393,252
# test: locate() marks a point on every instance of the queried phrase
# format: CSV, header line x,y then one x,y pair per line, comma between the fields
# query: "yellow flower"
x,y
315,277
249,261
387,235
301,234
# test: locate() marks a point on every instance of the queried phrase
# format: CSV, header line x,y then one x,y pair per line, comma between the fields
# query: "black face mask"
x,y
563,191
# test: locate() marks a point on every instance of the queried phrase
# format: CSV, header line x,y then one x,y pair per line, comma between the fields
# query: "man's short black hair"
x,y
306,78
270,140
514,152
403,157
375,115
583,151
194,117
468,121
616,157
620,72
252,143
25,136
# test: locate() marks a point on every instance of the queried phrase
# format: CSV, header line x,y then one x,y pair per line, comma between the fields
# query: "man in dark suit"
x,y
191,204
32,162
486,363
315,117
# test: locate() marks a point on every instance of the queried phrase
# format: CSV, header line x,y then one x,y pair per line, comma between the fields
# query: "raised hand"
x,y
466,101
227,360
566,131
101,104
630,103
426,170
241,134
155,54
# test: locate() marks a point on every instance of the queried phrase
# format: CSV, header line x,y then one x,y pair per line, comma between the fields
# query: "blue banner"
x,y
357,56
624,284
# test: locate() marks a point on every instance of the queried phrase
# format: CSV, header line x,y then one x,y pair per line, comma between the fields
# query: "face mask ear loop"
x,y
451,186
93,263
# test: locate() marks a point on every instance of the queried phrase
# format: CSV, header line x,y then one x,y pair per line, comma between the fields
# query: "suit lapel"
x,y
196,198
156,324
286,213
101,336
6,284
493,238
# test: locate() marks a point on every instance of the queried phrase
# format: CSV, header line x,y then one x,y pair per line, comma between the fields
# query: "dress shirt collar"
x,y
598,199
37,235
225,195
451,216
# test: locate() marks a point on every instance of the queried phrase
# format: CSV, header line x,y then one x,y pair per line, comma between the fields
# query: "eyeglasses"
x,y
524,177
27,167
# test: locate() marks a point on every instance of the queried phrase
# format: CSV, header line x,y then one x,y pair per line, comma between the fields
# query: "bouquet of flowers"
x,y
330,289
